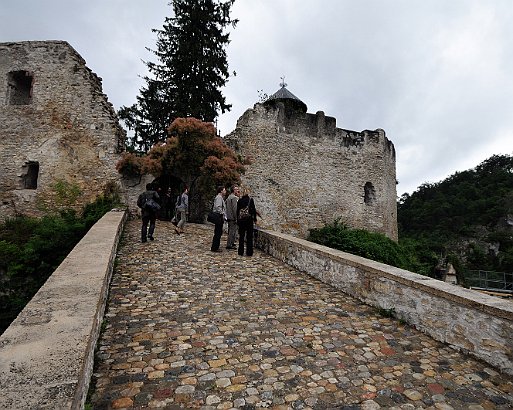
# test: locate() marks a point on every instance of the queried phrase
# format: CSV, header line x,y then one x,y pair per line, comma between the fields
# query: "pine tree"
x,y
191,69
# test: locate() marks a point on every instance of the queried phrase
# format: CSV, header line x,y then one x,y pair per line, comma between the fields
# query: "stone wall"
x,y
57,125
467,320
47,353
304,172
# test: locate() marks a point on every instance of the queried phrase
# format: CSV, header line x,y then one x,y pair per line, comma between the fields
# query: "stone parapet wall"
x,y
47,354
304,172
478,324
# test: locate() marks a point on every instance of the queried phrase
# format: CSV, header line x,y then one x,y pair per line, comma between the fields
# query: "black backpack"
x,y
146,201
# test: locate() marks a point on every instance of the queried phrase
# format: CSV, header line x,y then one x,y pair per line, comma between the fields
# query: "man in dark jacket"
x,y
148,213
246,217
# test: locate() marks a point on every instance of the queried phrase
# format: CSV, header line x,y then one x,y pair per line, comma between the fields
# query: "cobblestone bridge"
x,y
188,328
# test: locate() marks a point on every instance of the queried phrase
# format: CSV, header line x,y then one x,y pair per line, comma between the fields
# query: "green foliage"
x,y
389,313
93,211
458,221
191,70
18,229
369,245
65,196
67,193
31,249
458,218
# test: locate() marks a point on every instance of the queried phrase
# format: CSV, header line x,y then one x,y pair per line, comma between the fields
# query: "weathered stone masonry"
x,y
56,124
305,172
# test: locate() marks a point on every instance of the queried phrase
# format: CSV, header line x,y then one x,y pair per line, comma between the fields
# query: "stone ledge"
x,y
467,320
47,354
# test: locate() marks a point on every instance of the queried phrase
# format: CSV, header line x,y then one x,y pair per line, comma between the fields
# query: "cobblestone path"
x,y
188,328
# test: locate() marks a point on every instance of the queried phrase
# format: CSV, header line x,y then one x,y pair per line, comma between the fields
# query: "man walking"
x,y
231,217
148,201
182,206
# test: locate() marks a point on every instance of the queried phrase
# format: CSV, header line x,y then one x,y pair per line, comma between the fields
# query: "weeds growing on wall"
x,y
32,248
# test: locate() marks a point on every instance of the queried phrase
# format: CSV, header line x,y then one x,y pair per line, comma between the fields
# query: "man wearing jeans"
x,y
220,209
183,208
148,215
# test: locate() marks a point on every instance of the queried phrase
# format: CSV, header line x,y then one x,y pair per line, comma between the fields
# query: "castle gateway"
x,y
304,172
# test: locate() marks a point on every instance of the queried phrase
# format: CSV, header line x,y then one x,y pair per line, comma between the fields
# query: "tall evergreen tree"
x,y
191,69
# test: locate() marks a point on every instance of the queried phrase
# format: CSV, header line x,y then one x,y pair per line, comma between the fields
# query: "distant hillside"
x,y
466,219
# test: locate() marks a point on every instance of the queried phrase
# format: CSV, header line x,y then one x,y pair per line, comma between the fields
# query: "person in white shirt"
x,y
219,208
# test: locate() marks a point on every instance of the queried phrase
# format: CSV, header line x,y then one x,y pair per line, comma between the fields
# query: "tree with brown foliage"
x,y
194,155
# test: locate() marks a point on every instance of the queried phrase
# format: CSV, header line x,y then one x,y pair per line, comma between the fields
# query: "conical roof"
x,y
285,96
283,93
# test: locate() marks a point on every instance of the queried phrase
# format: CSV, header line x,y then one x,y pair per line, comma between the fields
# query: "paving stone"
x,y
187,328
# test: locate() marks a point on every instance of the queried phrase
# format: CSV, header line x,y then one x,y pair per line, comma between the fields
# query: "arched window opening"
x,y
29,175
370,194
20,87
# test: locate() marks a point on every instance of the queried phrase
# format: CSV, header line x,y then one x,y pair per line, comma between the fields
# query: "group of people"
x,y
238,210
149,213
170,209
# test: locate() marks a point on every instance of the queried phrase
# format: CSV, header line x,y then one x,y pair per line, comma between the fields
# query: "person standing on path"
x,y
231,217
246,217
147,213
183,208
219,208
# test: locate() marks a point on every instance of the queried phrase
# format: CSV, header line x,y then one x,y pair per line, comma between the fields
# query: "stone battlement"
x,y
304,172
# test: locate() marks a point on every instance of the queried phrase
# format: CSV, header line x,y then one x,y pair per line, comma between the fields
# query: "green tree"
x,y
32,248
191,69
149,117
463,217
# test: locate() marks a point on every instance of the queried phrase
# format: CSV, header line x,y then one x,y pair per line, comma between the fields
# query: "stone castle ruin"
x,y
304,172
59,128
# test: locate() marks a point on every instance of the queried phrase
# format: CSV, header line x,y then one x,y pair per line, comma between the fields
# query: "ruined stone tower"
x,y
56,125
304,172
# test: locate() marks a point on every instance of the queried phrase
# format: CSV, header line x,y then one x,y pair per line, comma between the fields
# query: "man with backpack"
x,y
148,201
182,206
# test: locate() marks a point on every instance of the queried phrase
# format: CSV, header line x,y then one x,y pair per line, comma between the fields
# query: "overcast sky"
x,y
436,75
